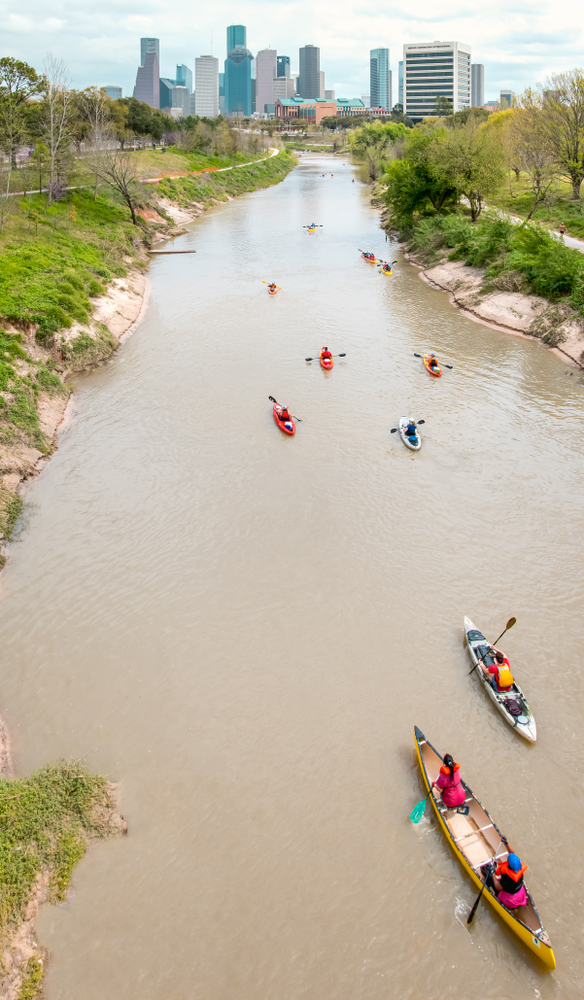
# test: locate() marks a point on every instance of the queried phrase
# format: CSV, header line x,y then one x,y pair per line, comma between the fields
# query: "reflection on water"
x,y
243,627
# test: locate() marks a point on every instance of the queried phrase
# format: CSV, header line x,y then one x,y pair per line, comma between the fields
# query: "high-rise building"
x,y
114,92
321,92
147,88
379,79
477,85
222,93
184,76
506,98
283,63
238,73
309,75
329,95
149,45
294,77
400,83
207,86
435,70
366,98
236,35
174,97
266,70
283,87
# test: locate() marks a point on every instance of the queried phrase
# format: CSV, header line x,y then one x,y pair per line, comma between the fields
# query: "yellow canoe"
x,y
476,839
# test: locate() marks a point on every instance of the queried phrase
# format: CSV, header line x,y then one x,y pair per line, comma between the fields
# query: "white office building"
x,y
283,87
433,70
207,86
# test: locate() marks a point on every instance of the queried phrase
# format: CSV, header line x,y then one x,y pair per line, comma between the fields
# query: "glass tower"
x,y
309,75
236,35
379,79
238,91
283,65
149,45
184,76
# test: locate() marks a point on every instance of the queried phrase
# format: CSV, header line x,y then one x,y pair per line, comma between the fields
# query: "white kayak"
x,y
512,704
403,423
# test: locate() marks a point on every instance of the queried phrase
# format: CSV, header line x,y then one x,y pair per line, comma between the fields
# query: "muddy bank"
x,y
504,309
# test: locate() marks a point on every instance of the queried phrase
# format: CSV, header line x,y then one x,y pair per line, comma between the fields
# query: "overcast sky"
x,y
519,41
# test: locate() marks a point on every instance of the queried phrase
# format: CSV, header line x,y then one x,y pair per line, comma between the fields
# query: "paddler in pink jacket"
x,y
450,784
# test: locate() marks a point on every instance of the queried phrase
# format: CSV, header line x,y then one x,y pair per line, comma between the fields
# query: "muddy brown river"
x,y
242,628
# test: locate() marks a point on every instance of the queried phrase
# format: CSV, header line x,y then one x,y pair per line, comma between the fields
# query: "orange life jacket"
x,y
446,770
504,869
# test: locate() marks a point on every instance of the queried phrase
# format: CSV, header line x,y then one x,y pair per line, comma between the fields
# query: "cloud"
x,y
519,42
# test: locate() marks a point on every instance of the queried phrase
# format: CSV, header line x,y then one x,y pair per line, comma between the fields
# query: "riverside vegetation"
x,y
77,219
486,189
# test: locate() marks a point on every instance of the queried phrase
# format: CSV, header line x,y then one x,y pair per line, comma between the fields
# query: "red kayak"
x,y
288,426
325,362
272,291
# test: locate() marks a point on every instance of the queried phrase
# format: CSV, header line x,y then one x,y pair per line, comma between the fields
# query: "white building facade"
x,y
433,70
207,86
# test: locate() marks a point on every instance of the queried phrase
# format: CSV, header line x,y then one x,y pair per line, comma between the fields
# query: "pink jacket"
x,y
451,789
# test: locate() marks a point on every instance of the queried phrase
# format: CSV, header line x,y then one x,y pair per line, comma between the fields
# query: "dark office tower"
x,y
477,85
149,45
309,75
238,90
283,65
236,35
379,79
184,76
147,87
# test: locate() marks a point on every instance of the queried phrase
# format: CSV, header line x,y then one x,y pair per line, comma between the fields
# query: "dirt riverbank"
x,y
507,310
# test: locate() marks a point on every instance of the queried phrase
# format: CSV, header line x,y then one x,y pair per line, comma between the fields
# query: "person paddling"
x,y
286,417
507,881
499,671
272,286
433,363
450,783
325,353
411,431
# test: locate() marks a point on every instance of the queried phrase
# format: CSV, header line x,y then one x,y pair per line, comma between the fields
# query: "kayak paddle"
x,y
443,365
313,227
419,809
390,262
334,356
269,283
279,404
509,625
471,915
418,422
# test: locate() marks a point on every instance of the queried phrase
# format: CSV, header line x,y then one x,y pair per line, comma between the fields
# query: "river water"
x,y
243,628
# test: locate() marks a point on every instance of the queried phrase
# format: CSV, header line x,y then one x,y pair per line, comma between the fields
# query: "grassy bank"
x,y
207,188
516,197
48,820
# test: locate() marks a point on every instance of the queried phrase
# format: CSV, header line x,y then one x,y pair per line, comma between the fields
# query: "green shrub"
x,y
49,381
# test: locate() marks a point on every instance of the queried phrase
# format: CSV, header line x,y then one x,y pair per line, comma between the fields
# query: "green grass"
x,y
153,162
517,198
207,188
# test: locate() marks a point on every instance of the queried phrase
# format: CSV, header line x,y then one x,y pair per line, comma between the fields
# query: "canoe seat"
x,y
473,833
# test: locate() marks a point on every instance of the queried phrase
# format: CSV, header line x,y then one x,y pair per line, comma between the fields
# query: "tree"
x,y
443,107
59,114
470,159
94,109
19,83
116,168
414,183
557,112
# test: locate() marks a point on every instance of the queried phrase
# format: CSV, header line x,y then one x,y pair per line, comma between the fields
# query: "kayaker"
x,y
450,784
433,362
507,881
272,286
325,353
500,671
411,432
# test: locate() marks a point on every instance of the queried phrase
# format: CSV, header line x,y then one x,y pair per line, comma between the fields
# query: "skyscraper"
x,y
283,63
322,84
238,90
433,70
236,35
149,45
206,86
266,70
477,85
379,79
222,93
400,84
147,87
309,75
184,76
114,92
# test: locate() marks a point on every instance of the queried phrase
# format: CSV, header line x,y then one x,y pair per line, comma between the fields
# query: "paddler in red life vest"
x,y
325,353
285,417
450,784
507,881
499,671
272,287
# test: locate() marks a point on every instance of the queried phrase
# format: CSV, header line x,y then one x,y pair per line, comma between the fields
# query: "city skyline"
x,y
517,48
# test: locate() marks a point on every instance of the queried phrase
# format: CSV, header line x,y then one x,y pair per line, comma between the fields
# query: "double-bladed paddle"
x,y
443,365
271,398
313,227
509,625
332,355
390,262
271,283
417,423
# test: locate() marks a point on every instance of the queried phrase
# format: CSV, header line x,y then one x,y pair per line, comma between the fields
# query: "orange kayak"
x,y
436,371
289,427
325,362
370,260
272,291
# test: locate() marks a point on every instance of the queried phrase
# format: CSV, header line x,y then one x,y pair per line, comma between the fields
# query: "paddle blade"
x,y
421,421
393,430
417,355
475,907
510,624
418,811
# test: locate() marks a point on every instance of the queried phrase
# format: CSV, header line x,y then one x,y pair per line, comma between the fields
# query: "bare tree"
x,y
94,108
116,168
557,112
533,155
59,113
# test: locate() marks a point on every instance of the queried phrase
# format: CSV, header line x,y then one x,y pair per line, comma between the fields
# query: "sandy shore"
x,y
509,311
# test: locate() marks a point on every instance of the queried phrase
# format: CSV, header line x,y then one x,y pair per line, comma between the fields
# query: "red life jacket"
x,y
504,869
